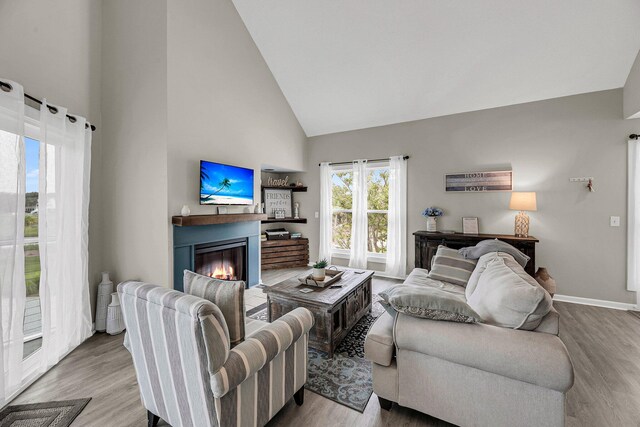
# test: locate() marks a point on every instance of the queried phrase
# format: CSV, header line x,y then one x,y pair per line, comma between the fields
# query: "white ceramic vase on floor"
x,y
105,289
115,321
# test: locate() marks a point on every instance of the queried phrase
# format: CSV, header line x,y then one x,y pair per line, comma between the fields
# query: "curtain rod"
x,y
369,160
8,88
634,136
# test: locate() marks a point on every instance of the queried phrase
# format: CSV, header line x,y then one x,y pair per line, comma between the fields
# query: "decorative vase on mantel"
x,y
105,289
546,281
432,224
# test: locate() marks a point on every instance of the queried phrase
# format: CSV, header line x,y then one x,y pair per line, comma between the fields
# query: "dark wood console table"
x,y
427,244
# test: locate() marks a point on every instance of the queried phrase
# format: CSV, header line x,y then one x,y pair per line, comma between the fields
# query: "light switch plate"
x,y
317,214
614,221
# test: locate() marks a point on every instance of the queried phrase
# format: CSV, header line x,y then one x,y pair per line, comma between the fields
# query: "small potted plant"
x,y
319,270
431,214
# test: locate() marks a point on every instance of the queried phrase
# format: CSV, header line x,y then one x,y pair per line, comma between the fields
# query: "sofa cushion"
x,y
532,357
429,303
507,296
480,267
494,245
227,295
420,277
550,323
450,266
378,345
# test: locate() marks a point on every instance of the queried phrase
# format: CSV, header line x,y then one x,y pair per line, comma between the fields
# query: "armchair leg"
x,y
384,403
299,396
153,419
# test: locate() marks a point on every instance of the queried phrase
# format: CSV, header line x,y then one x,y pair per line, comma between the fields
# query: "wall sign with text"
x,y
479,182
277,200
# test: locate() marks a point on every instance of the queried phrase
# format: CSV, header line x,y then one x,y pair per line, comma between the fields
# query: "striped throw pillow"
x,y
450,266
227,295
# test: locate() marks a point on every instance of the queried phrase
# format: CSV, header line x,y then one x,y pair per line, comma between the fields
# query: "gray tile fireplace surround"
x,y
185,240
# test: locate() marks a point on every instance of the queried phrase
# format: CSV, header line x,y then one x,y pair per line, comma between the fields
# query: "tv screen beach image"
x,y
225,185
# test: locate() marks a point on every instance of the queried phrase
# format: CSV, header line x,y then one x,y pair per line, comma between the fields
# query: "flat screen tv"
x,y
225,185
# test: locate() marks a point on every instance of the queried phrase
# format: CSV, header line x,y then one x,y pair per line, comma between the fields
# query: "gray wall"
x,y
134,111
632,91
545,143
53,50
224,104
182,82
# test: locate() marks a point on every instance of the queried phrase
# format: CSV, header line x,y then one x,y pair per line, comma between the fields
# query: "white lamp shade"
x,y
523,201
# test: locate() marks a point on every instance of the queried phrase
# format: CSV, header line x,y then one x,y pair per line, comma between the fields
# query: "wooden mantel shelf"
x,y
184,221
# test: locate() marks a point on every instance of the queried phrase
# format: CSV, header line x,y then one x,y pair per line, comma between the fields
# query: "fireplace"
x,y
225,260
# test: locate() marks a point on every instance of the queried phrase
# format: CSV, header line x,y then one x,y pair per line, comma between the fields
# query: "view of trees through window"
x,y
377,209
31,252
32,325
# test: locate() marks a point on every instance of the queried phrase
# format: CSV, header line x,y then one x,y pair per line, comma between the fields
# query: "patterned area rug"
x,y
48,414
346,378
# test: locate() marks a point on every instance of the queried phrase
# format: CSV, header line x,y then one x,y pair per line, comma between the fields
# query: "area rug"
x,y
346,378
48,414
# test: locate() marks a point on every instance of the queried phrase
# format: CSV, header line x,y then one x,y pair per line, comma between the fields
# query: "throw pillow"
x,y
227,295
507,296
480,267
494,245
428,303
450,266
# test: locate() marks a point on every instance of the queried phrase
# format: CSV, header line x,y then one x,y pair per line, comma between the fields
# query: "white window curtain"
x,y
326,195
633,222
65,166
359,221
12,202
64,170
397,218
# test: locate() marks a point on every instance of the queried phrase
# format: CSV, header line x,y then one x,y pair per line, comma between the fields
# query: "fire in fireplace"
x,y
225,260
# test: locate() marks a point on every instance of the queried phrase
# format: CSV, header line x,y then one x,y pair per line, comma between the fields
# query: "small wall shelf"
x,y
294,189
289,220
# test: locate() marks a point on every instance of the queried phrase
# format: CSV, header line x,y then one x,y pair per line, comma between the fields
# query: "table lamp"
x,y
522,201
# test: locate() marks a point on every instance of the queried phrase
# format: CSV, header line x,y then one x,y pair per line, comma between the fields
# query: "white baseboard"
x,y
595,302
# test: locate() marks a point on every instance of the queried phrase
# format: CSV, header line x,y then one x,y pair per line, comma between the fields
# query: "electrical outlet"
x,y
317,214
614,221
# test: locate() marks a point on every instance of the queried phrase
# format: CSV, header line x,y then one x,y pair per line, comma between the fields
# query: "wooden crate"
x,y
284,253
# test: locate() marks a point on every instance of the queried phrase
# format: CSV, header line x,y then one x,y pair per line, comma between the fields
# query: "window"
x,y
32,325
377,210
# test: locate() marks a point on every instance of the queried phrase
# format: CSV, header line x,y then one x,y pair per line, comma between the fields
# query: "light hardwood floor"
x,y
604,345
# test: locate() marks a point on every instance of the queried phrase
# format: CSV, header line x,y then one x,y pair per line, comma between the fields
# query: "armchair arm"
x,y
259,349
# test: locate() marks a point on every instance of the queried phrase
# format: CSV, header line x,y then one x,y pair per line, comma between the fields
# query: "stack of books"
x,y
296,235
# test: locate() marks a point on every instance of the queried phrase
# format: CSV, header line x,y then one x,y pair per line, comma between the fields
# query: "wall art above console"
x,y
479,182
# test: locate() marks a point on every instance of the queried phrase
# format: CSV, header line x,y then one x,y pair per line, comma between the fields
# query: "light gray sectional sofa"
x,y
470,374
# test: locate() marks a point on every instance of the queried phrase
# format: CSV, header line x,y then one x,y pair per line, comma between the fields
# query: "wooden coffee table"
x,y
336,310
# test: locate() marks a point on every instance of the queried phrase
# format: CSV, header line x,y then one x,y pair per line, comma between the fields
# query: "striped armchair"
x,y
190,376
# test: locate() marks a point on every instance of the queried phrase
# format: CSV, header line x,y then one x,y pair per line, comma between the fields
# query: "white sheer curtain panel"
x,y
359,221
326,195
65,166
633,221
397,218
12,206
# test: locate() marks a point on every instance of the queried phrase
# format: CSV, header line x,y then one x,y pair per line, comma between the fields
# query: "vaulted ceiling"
x,y
353,64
